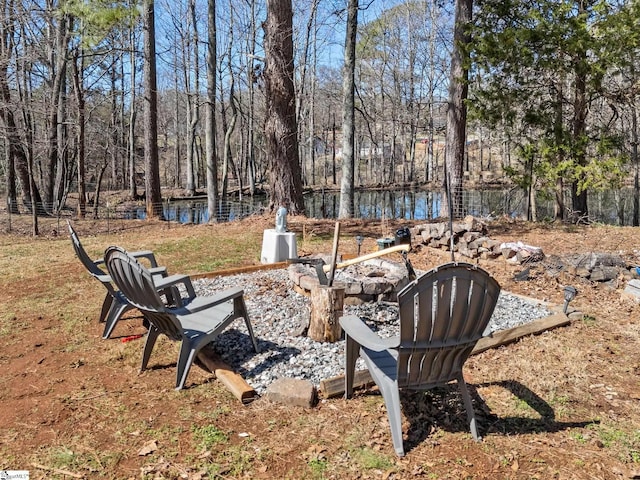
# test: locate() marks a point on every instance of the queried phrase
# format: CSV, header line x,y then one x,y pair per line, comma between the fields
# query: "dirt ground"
x,y
561,405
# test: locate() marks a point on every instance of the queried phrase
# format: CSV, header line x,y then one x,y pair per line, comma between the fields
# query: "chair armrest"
x,y
162,271
175,280
354,327
103,278
204,302
148,254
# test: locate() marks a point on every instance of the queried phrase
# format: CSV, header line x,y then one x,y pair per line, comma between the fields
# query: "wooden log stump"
x,y
326,309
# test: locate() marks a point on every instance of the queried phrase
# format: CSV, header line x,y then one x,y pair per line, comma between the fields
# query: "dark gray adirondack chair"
x,y
195,324
115,304
442,316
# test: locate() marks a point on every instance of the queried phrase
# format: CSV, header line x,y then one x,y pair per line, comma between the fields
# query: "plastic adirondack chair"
x,y
195,324
442,316
115,304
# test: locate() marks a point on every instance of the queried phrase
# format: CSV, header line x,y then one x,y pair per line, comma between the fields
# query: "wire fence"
x,y
111,218
613,207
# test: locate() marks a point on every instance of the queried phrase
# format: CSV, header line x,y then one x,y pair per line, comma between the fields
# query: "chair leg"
x,y
392,401
152,336
185,360
240,308
352,353
106,306
115,312
471,415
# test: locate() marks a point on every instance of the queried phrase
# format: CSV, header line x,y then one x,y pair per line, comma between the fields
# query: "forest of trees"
x,y
217,97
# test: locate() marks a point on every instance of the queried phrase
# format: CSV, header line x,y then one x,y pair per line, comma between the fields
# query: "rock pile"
x,y
596,267
469,238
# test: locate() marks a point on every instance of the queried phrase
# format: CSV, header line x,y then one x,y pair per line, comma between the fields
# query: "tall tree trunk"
x,y
58,61
6,48
334,180
177,127
151,160
121,113
636,166
96,198
116,178
431,167
578,194
558,127
20,159
133,188
227,153
281,126
210,127
348,114
16,152
228,127
191,67
304,105
253,79
78,86
457,111
61,186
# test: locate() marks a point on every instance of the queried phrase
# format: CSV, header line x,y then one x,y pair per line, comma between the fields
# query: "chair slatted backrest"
x,y
89,264
442,316
82,254
136,284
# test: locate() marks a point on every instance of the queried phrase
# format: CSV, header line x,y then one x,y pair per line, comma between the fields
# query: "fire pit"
x,y
371,280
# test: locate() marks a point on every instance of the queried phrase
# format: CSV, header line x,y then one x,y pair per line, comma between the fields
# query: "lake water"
x,y
605,207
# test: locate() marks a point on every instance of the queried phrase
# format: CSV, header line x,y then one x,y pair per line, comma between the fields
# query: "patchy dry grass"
x,y
564,404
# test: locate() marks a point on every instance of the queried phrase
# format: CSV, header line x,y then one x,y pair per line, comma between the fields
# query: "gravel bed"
x,y
279,314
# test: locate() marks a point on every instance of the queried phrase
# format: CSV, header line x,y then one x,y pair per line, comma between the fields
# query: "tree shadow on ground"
x,y
443,407
518,425
235,349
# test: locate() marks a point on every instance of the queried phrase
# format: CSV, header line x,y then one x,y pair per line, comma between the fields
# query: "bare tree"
x,y
305,89
78,88
18,154
210,126
457,111
348,113
151,159
192,70
229,125
133,42
285,178
59,26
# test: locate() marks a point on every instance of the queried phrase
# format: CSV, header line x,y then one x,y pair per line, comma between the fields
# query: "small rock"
x,y
292,391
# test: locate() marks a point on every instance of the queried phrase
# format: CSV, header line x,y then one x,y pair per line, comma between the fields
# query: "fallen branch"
x,y
503,337
59,471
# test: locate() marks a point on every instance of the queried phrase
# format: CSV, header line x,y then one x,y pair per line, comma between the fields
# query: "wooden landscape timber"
x,y
237,385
